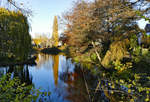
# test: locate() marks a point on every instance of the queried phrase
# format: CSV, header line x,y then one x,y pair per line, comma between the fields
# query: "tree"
x,y
15,40
94,26
55,36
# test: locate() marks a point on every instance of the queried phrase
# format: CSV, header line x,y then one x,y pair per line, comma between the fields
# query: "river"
x,y
55,74
64,79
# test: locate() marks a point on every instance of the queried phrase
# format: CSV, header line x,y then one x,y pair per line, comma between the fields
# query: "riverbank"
x,y
30,61
130,79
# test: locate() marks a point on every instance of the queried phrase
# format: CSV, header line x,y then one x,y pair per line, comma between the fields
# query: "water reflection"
x,y
56,74
18,71
56,68
64,80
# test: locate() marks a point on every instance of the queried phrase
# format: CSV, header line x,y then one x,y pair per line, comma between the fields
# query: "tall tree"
x,y
94,26
55,36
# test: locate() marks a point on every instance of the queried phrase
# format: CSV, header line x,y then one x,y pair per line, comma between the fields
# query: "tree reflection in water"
x,y
56,74
64,80
76,86
18,71
59,76
56,68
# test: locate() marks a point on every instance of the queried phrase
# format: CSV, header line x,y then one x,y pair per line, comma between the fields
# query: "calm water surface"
x,y
64,79
56,74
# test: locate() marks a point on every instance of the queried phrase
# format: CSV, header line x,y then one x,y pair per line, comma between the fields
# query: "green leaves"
x,y
12,90
15,41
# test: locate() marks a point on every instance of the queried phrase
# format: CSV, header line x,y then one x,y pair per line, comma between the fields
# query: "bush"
x,y
12,90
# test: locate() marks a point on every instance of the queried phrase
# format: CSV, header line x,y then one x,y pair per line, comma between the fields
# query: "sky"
x,y
142,23
44,12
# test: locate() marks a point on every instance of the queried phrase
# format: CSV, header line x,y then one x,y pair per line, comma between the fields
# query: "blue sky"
x,y
44,12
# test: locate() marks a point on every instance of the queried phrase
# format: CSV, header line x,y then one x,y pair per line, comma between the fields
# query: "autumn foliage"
x,y
103,23
55,36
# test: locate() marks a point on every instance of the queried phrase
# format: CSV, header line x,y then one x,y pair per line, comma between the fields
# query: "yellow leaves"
x,y
4,11
107,59
121,67
121,81
136,76
10,55
109,84
130,85
117,81
103,74
113,86
131,100
116,53
37,41
147,100
15,29
112,92
147,92
55,36
129,90
133,82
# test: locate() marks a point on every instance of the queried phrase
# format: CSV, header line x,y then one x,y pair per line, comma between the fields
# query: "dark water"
x,y
65,80
54,74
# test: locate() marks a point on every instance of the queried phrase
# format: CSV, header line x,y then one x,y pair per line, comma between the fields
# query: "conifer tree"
x,y
55,36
